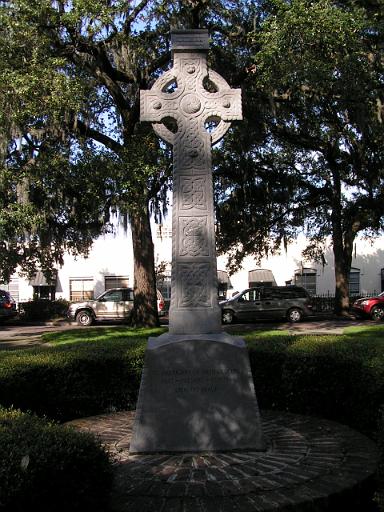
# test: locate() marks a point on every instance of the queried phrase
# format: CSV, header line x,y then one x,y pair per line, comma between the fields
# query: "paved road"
x,y
27,335
22,336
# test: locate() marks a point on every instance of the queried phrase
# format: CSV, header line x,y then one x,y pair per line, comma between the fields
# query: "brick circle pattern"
x,y
307,460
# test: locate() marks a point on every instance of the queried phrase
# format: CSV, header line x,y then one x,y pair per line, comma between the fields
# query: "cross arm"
x,y
224,105
156,105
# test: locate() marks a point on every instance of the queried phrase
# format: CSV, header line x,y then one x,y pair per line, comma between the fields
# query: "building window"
x,y
80,289
43,289
163,232
116,282
44,292
354,281
306,277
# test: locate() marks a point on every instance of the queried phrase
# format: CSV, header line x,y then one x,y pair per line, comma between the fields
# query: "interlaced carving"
x,y
193,236
190,100
193,192
194,279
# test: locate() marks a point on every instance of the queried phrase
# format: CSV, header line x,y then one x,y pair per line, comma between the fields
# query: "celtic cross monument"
x,y
197,391
194,307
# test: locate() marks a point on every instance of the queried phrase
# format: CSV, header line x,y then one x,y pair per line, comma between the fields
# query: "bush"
x,y
72,381
43,309
48,467
339,378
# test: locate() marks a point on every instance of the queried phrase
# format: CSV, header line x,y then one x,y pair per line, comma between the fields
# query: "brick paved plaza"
x,y
309,464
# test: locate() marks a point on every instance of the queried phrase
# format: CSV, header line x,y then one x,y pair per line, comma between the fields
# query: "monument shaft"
x,y
192,96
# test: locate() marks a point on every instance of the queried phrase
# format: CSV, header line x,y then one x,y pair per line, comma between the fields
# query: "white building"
x,y
110,264
289,267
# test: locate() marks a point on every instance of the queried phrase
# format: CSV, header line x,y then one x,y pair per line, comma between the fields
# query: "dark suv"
x,y
7,305
290,302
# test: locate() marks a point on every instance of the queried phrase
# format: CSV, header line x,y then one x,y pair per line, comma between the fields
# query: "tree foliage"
x,y
90,61
81,86
318,71
44,201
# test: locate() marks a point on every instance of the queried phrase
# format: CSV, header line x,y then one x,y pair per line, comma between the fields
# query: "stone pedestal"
x,y
196,394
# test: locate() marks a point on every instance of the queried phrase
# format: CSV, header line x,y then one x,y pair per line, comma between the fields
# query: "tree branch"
x,y
133,16
86,131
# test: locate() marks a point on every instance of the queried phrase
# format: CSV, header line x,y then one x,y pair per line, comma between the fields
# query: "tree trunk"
x,y
145,304
342,250
342,244
342,270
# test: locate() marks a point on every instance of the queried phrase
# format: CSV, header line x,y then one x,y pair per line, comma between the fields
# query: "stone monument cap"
x,y
184,40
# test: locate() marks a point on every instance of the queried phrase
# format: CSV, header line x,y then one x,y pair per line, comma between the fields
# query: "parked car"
x,y
290,302
369,307
114,304
7,305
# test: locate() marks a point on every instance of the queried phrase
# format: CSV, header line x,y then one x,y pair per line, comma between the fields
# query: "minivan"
x,y
290,302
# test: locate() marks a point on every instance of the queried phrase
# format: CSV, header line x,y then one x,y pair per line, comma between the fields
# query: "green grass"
x,y
362,336
365,330
100,334
357,340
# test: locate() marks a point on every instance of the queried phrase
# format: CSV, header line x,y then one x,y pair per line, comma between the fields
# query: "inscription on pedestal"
x,y
201,380
197,395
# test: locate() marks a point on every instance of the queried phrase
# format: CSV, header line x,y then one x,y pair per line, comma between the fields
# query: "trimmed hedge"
x,y
49,467
339,378
72,381
40,309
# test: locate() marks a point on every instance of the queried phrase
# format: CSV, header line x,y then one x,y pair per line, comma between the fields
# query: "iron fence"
x,y
326,302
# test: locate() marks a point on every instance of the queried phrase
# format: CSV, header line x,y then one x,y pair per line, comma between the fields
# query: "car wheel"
x,y
377,313
84,318
294,315
227,317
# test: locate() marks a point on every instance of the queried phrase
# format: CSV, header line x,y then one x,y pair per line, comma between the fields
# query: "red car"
x,y
371,307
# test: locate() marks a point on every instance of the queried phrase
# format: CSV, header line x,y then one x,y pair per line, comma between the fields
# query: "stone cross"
x,y
193,98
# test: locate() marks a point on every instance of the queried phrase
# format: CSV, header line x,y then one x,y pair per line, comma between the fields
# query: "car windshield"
x,y
381,294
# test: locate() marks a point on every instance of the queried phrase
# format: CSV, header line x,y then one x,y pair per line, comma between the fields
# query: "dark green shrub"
x,y
49,467
341,379
72,381
40,309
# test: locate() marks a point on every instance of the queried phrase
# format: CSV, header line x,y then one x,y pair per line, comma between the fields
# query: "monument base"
x,y
195,320
196,395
